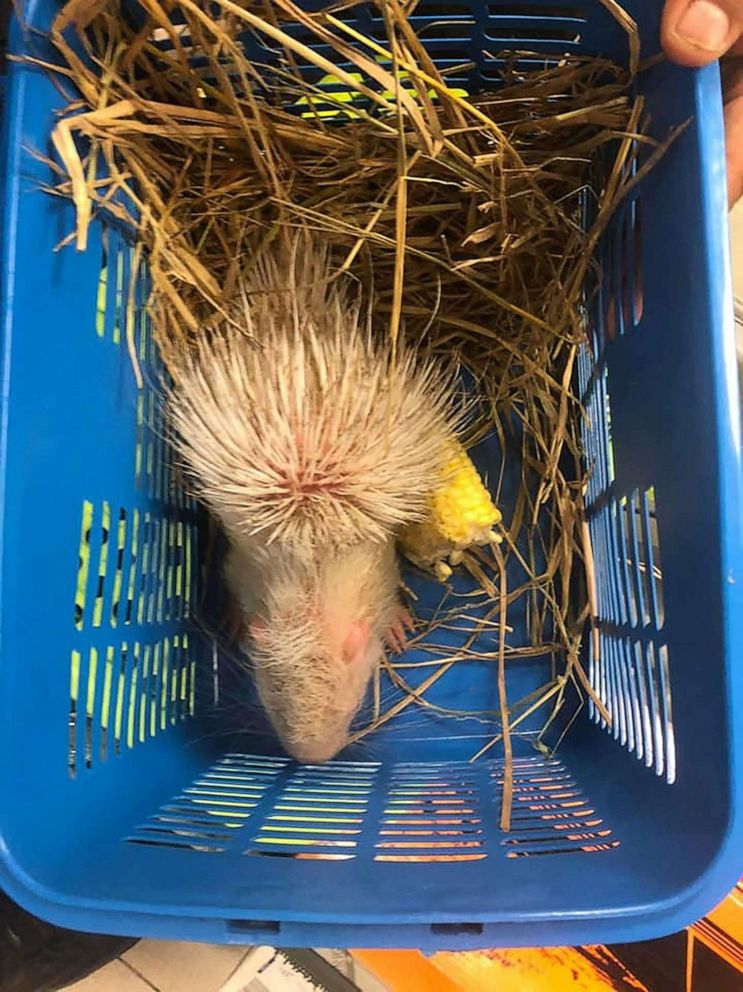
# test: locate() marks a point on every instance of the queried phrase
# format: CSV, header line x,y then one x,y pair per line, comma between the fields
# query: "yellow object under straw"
x,y
461,514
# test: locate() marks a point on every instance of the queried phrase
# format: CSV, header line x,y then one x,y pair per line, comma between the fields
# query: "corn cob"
x,y
460,514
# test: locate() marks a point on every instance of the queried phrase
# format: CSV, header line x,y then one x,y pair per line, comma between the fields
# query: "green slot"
x,y
100,303
609,438
119,297
179,571
92,672
155,544
132,698
143,330
103,563
154,694
140,435
315,819
184,683
120,545
161,572
130,307
74,675
134,551
228,813
174,684
189,552
164,684
145,566
120,690
150,443
107,682
83,563
144,695
215,805
325,831
171,568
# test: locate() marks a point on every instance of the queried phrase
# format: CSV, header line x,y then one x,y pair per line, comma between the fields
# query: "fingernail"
x,y
704,25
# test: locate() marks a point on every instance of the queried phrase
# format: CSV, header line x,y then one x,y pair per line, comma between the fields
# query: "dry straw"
x,y
474,219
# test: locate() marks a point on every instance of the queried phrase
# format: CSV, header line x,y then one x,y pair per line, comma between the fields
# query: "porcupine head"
x,y
312,445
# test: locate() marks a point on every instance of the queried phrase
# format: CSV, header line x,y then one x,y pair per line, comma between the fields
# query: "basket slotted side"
x,y
67,858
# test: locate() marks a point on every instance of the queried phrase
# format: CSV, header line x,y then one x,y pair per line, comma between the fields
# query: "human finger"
x,y
734,148
695,32
732,86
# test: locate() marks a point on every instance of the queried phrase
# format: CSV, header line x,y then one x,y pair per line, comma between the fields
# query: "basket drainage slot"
x,y
253,926
457,929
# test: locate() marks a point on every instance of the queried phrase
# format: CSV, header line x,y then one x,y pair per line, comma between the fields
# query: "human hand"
x,y
695,32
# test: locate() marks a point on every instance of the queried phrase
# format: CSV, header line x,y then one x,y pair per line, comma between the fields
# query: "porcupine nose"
x,y
315,752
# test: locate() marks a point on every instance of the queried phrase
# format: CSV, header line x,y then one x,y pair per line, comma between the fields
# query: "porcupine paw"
x,y
396,635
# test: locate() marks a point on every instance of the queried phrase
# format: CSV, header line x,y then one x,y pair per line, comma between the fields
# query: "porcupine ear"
x,y
257,629
355,642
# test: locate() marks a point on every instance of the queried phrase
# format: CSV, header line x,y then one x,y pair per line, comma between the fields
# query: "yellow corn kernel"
x,y
461,508
460,514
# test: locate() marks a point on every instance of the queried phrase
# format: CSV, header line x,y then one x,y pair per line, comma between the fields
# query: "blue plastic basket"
x,y
121,809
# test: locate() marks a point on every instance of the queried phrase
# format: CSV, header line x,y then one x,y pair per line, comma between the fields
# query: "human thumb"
x,y
695,32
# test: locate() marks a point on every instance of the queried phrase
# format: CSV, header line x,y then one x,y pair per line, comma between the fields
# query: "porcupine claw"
x,y
396,634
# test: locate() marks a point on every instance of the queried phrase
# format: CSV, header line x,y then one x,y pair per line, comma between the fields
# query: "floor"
x,y
167,967
172,966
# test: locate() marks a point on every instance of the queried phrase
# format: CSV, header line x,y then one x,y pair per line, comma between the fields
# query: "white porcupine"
x,y
312,445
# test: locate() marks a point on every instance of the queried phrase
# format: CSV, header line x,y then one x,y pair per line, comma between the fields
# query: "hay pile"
x,y
474,219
